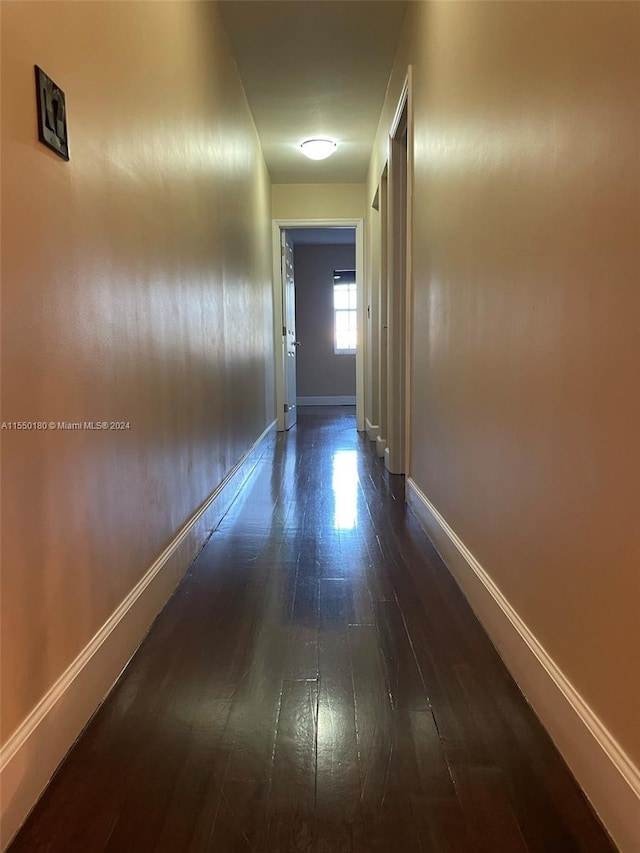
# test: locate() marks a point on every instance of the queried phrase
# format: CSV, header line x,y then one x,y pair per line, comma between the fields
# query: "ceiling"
x,y
315,68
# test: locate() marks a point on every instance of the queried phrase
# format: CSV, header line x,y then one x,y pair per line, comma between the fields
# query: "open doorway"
x,y
395,380
326,315
318,306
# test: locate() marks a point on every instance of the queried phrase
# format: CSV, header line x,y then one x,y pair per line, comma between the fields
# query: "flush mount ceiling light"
x,y
318,149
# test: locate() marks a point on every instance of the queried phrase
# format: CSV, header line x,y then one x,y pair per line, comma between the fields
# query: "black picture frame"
x,y
52,114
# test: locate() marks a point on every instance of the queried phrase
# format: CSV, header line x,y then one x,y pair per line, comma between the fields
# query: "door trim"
x,y
279,225
408,468
382,283
405,102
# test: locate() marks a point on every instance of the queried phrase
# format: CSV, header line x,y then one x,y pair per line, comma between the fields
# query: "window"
x,y
345,301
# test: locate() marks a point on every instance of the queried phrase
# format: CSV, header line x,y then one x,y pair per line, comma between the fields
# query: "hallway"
x,y
316,683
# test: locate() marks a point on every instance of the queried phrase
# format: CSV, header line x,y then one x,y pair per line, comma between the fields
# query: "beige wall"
x,y
136,286
318,201
320,372
526,357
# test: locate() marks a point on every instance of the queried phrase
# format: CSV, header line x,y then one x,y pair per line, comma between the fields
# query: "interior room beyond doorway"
x,y
324,273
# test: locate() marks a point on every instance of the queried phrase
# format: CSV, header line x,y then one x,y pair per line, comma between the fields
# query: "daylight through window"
x,y
345,301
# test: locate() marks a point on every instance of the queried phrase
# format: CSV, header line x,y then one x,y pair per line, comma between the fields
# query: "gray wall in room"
x,y
320,372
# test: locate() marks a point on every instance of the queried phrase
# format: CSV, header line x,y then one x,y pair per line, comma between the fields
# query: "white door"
x,y
289,331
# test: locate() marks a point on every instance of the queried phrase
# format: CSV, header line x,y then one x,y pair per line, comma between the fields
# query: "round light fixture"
x,y
318,149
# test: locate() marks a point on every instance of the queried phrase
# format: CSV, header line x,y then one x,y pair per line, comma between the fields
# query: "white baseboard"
x,y
371,429
30,756
381,446
605,772
326,401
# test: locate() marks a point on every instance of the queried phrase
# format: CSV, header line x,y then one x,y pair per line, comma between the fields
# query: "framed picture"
x,y
52,114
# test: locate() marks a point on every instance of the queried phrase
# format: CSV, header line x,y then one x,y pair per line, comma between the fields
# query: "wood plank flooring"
x,y
316,683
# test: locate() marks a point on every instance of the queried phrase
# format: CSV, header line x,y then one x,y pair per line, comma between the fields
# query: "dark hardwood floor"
x,y
316,683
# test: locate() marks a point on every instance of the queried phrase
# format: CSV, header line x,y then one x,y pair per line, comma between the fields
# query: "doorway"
x,y
396,250
290,340
381,365
286,331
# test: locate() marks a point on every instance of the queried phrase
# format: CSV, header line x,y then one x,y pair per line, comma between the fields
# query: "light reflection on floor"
x,y
345,489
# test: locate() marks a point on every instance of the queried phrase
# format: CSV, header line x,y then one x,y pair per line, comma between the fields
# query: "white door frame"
x,y
279,349
399,412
